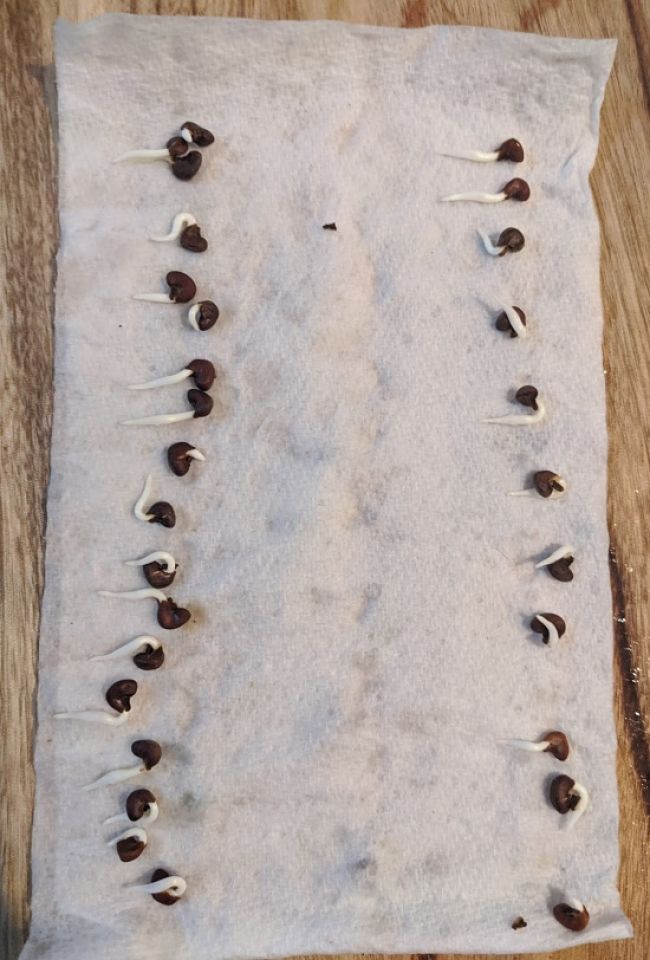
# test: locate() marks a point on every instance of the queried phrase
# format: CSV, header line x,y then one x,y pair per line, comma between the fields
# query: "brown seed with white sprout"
x,y
510,149
546,484
159,568
181,290
140,807
574,916
554,742
147,650
130,844
193,133
180,457
569,797
527,396
118,697
200,401
164,887
516,189
558,564
201,371
186,230
510,240
512,320
149,753
202,316
551,626
174,148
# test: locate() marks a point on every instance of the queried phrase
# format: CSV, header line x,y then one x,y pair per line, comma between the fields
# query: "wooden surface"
x,y
27,248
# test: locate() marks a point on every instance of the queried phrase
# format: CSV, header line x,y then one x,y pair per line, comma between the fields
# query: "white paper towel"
x,y
361,583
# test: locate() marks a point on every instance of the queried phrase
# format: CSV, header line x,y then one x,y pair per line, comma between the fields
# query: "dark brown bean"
x,y
571,918
517,189
129,849
553,618
527,396
184,168
202,402
162,513
546,482
167,898
208,314
178,459
156,574
138,803
181,287
203,373
504,325
191,239
118,695
558,745
511,240
170,616
561,569
177,147
560,794
149,751
199,135
511,150
151,658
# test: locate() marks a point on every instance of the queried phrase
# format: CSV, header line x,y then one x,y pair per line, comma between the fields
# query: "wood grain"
x,y
27,247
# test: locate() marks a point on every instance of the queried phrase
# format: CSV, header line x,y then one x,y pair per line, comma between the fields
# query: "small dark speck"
x,y
519,923
329,226
120,325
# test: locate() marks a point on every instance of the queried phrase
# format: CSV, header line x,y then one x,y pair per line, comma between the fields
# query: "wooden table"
x,y
27,249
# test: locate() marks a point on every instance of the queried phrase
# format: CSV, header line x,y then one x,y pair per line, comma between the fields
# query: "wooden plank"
x,y
27,246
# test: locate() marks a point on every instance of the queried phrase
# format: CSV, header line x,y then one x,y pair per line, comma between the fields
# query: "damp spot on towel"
x,y
281,524
364,869
189,802
321,598
371,594
307,451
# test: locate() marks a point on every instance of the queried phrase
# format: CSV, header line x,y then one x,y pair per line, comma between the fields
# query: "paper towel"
x,y
360,581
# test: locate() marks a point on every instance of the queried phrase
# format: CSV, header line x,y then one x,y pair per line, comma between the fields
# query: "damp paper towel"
x,y
360,581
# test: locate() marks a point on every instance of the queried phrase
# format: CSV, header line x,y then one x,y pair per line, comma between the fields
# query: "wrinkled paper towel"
x,y
360,581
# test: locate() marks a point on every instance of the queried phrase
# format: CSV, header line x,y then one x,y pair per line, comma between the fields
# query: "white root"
x,y
532,746
478,156
158,419
95,716
136,832
149,816
558,554
181,222
553,635
476,197
163,381
116,776
519,419
192,316
142,499
146,593
132,646
515,320
583,802
144,156
173,885
158,556
153,297
489,246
